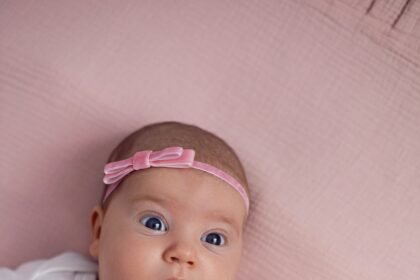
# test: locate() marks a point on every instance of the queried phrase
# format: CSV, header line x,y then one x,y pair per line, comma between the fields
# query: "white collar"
x,y
69,262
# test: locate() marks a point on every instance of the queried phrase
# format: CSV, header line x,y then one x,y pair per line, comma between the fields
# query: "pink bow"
x,y
175,157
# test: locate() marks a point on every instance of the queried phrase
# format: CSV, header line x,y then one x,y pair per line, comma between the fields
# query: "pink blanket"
x,y
321,100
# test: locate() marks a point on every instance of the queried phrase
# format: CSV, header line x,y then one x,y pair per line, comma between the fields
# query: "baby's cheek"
x,y
129,256
228,266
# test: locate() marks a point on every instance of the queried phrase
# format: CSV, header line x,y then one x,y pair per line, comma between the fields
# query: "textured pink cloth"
x,y
319,98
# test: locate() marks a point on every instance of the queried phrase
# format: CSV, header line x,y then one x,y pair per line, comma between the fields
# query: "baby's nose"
x,y
181,253
187,261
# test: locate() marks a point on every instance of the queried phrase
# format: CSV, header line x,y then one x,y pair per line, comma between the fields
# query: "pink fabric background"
x,y
321,100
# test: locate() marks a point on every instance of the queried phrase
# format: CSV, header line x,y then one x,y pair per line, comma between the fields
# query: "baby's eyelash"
x,y
157,224
154,223
214,238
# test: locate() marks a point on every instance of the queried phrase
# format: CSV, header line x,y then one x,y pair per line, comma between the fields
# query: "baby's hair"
x,y
209,148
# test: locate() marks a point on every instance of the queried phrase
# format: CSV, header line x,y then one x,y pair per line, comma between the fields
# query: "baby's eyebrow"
x,y
150,198
225,219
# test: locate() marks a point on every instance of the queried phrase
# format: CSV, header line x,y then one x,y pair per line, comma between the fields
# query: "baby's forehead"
x,y
187,189
182,183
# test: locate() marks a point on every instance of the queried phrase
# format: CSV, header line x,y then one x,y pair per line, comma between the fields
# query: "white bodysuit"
x,y
68,266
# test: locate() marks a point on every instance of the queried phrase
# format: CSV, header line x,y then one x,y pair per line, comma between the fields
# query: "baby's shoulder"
x,y
68,265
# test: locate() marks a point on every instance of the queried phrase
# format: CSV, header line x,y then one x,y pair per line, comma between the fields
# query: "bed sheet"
x,y
320,99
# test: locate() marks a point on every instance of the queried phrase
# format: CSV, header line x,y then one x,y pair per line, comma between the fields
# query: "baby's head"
x,y
171,223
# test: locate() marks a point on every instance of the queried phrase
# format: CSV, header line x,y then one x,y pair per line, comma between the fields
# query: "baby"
x,y
174,207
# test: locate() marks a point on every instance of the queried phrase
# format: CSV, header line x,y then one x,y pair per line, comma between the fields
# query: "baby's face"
x,y
170,224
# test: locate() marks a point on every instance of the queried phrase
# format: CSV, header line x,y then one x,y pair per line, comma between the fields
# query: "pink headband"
x,y
172,157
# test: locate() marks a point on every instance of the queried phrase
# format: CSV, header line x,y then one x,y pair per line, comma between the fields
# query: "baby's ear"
x,y
96,219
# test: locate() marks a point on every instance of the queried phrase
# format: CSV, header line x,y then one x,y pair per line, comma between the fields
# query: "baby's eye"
x,y
214,238
154,223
